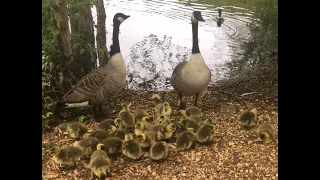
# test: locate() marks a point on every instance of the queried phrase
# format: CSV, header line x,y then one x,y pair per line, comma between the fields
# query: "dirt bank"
x,y
235,156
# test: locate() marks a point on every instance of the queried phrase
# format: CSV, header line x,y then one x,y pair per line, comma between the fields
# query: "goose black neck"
x,y
115,39
195,41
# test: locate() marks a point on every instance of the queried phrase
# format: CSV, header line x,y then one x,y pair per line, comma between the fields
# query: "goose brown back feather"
x,y
106,81
100,84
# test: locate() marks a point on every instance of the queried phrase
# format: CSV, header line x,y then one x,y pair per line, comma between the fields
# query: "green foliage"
x,y
46,114
263,40
84,119
63,125
83,41
50,50
45,120
82,51
51,53
264,33
79,3
85,58
46,85
49,29
48,145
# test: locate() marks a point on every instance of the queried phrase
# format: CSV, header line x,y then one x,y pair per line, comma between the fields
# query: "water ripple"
x,y
158,36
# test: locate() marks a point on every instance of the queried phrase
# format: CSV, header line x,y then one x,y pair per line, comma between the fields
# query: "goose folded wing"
x,y
86,87
178,68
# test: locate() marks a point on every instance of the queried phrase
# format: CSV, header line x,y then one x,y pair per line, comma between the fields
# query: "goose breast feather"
x,y
190,77
176,75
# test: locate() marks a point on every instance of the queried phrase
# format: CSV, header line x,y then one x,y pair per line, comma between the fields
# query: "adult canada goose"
x,y
104,82
192,76
219,18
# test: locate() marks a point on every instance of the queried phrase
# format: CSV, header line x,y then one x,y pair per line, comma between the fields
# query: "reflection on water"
x,y
158,36
152,61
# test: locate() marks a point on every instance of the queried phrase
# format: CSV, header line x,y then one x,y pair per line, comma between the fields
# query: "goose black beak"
x,y
126,17
201,19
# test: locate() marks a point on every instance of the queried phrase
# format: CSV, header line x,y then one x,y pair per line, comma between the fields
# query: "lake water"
x,y
158,36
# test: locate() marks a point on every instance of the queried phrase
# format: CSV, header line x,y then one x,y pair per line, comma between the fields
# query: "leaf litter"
x,y
236,155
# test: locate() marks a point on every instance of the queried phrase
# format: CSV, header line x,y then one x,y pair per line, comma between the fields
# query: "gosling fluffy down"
x,y
126,116
179,128
139,114
185,140
131,148
112,145
167,110
163,131
162,120
189,123
195,113
138,128
163,109
100,163
115,132
100,134
77,130
205,133
88,145
105,124
159,150
247,118
266,133
146,122
147,138
67,155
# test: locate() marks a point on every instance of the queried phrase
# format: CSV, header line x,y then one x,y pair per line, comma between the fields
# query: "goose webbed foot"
x,y
182,106
196,100
98,112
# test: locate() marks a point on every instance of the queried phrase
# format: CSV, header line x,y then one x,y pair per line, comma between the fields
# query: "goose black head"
x,y
120,17
111,49
219,11
196,17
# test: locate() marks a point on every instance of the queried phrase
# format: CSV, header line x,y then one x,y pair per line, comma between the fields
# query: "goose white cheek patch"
x,y
193,19
120,19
